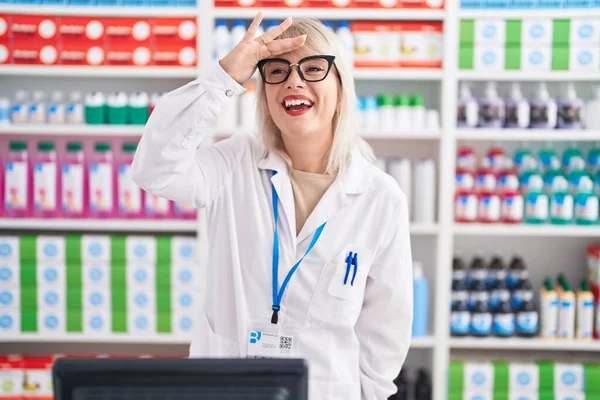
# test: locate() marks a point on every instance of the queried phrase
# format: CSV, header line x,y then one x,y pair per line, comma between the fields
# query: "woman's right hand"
x,y
241,62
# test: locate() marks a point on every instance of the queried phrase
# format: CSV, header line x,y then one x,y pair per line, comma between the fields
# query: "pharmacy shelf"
x,y
99,225
557,13
521,76
85,338
522,344
424,229
526,230
527,134
398,74
425,342
332,13
98,11
72,130
98,72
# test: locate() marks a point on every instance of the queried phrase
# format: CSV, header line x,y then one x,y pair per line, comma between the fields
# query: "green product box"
x,y
467,31
455,396
466,57
512,57
561,31
501,377
546,371
560,58
592,378
456,377
513,32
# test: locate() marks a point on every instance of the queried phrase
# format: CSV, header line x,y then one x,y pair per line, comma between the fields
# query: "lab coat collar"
x,y
354,180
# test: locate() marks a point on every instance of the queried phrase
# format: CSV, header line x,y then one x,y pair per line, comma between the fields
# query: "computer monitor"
x,y
180,379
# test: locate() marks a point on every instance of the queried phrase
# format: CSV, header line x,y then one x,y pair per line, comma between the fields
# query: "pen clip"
x,y
355,263
348,264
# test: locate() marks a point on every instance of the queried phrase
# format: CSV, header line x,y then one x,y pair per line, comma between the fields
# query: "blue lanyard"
x,y
278,292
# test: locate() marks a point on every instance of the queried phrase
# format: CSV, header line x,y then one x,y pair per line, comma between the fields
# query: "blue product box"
x,y
134,3
579,3
498,4
82,2
470,4
108,2
551,3
525,4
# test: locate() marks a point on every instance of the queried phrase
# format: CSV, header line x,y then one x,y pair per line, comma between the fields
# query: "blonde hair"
x,y
320,40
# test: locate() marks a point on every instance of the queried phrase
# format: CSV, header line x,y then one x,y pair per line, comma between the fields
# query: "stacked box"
x,y
10,286
185,281
95,272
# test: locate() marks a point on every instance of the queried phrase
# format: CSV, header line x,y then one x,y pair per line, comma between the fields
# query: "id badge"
x,y
266,340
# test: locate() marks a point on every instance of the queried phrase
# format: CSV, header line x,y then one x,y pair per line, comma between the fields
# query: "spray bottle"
x,y
491,108
570,110
549,310
566,318
543,109
585,313
468,108
517,109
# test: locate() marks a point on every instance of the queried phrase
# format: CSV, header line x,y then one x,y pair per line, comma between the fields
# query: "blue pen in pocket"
x,y
348,266
355,264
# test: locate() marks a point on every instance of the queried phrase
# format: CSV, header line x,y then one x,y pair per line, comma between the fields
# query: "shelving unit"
x,y
437,241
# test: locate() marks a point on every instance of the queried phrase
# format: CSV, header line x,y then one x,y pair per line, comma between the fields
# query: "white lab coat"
x,y
355,338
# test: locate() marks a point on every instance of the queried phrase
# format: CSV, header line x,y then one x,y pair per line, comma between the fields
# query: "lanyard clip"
x,y
275,316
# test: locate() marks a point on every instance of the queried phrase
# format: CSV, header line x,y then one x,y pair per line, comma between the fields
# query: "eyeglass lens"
x,y
314,69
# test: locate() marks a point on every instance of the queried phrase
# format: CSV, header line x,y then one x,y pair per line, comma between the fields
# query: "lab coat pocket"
x,y
206,343
340,292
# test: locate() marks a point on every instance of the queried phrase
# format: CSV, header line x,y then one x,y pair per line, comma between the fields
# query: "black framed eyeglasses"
x,y
310,69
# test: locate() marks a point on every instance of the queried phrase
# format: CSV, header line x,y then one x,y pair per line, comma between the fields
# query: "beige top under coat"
x,y
308,189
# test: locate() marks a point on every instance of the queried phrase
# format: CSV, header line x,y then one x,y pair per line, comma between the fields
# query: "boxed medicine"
x,y
478,376
523,377
536,58
568,377
584,58
50,248
490,31
584,31
523,395
11,377
37,378
95,248
536,31
489,58
479,394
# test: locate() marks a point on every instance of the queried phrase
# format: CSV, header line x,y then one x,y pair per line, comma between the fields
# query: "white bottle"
x,y
56,110
424,192
248,108
371,115
418,113
346,37
387,113
37,108
400,170
238,30
544,110
20,108
403,116
4,111
592,110
468,108
222,39
74,114
517,109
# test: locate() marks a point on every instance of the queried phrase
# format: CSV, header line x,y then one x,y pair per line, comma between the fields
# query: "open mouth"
x,y
297,104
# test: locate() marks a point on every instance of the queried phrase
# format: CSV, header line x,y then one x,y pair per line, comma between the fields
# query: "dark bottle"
x,y
477,272
517,271
481,317
402,386
499,288
460,317
422,385
478,291
504,316
527,317
524,288
496,271
459,270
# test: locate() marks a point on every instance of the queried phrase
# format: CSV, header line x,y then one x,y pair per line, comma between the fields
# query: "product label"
x,y
490,114
585,319
20,113
489,208
537,207
539,114
508,182
37,113
130,195
586,208
561,206
56,114
156,205
459,322
569,114
72,188
466,207
101,187
485,183
44,186
475,297
16,186
512,208
527,322
181,208
481,324
504,324
517,114
464,182
74,114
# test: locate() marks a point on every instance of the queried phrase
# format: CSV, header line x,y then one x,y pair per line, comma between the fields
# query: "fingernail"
x,y
304,37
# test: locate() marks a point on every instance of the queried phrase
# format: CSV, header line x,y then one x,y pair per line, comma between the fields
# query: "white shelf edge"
x,y
99,225
83,338
527,230
422,342
117,11
70,130
424,229
523,344
529,13
332,13
429,74
100,71
527,134
520,76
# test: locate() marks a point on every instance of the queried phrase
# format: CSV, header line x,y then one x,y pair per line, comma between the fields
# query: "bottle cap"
x,y
74,146
548,284
584,286
18,146
220,22
401,100
46,146
344,24
239,22
385,99
417,100
102,147
129,147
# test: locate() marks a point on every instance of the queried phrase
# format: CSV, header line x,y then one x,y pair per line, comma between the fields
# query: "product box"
x,y
478,376
81,29
421,4
11,377
282,3
568,377
5,52
184,322
95,248
123,55
584,31
183,249
330,3
490,31
140,248
236,3
10,322
572,395
50,248
523,395
523,377
141,323
96,311
487,394
536,31
536,58
35,28
96,323
377,44
96,275
33,53
584,58
127,32
168,31
5,31
37,378
420,45
489,58
51,322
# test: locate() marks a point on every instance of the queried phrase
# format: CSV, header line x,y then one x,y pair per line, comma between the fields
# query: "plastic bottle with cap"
x,y
95,108
584,328
548,310
385,103
37,108
527,317
491,108
74,196
101,182
467,114
517,109
536,201
75,110
57,110
129,195
17,181
138,108
346,37
592,110
45,181
400,170
567,311
20,108
4,111
403,116
421,301
593,159
418,113
586,202
544,111
561,202
116,108
504,316
570,109
222,39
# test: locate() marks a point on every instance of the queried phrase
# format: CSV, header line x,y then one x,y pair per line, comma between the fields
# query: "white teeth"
x,y
297,102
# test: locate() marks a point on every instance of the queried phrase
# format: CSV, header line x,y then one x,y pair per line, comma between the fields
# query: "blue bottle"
x,y
496,294
496,272
421,301
481,318
460,317
517,271
527,317
504,317
524,290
